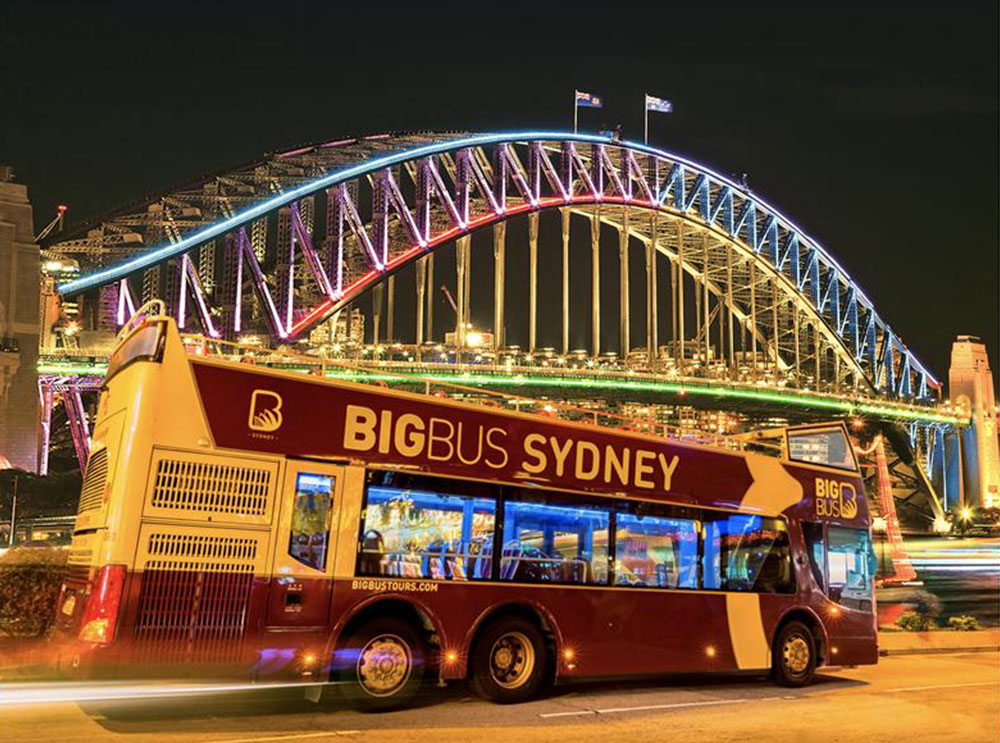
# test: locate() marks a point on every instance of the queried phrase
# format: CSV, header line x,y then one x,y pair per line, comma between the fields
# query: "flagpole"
x,y
645,119
575,109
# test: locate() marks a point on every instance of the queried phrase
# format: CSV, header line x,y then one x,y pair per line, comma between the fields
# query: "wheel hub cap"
x,y
796,654
384,665
512,660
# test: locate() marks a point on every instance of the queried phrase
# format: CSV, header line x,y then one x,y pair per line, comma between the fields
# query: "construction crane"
x,y
451,299
57,221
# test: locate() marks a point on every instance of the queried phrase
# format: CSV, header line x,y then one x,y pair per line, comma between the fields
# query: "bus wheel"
x,y
384,667
795,655
509,661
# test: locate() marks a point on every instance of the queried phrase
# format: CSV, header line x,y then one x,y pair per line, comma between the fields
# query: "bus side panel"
x,y
609,631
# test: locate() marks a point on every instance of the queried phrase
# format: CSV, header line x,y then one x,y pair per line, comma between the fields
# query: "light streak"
x,y
12,695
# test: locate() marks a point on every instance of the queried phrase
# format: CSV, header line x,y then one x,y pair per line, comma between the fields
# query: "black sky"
x,y
875,126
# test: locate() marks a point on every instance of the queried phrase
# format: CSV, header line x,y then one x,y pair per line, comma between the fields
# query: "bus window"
x,y
423,534
655,551
548,542
828,446
310,533
817,551
851,562
747,553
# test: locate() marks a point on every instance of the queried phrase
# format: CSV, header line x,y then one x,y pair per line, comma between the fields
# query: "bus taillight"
x,y
102,608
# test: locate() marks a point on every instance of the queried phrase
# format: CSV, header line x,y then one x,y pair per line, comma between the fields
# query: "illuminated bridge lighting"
x,y
839,405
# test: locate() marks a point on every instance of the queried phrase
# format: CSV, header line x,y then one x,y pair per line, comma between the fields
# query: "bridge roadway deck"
x,y
618,383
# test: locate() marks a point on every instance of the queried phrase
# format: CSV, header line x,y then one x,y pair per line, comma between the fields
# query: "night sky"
x,y
874,126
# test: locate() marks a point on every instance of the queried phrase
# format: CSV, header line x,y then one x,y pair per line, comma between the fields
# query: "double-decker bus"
x,y
296,527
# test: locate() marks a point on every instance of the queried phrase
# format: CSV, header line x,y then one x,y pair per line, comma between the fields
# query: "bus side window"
x,y
849,554
816,548
653,550
422,534
747,553
310,532
554,543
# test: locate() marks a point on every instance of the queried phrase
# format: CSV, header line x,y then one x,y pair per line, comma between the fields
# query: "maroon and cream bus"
x,y
295,527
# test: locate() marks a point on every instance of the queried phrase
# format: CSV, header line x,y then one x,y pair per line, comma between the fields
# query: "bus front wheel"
x,y
383,665
509,661
794,655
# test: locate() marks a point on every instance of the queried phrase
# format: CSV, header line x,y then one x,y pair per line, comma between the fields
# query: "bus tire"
x,y
384,664
509,661
794,655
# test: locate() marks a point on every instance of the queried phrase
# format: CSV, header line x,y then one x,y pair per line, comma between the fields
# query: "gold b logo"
x,y
265,411
836,499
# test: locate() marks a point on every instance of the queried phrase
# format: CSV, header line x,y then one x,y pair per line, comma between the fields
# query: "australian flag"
x,y
659,104
587,100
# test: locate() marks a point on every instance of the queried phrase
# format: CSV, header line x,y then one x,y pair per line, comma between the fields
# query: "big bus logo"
x,y
836,499
265,411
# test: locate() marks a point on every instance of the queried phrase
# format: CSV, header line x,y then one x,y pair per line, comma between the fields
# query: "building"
x,y
970,384
19,325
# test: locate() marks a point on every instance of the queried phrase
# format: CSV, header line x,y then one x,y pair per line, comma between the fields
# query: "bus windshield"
x,y
143,344
827,446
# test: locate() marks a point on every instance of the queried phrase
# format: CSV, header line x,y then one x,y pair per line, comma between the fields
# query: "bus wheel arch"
x,y
420,618
511,614
812,622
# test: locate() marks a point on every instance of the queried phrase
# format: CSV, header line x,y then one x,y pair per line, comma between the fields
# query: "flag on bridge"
x,y
659,104
587,100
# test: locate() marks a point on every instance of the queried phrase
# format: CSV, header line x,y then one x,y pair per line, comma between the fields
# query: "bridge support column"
x,y
817,355
499,282
377,292
467,310
673,309
46,395
595,281
421,277
624,323
680,297
652,342
533,281
390,309
430,297
729,304
462,268
798,352
565,215
706,316
753,316
774,323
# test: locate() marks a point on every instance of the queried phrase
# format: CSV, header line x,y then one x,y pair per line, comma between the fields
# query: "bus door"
x,y
305,545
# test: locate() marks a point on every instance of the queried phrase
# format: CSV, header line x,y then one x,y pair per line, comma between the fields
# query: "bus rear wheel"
x,y
509,661
384,665
794,655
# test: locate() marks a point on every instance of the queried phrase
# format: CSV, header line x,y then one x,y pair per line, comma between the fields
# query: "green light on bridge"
x,y
848,407
840,406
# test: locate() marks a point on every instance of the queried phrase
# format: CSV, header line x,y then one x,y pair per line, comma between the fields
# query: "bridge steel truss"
x,y
287,242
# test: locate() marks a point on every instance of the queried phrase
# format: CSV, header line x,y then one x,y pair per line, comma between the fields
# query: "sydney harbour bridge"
x,y
563,267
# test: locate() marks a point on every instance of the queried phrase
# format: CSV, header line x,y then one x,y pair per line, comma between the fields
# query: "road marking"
x,y
611,710
293,736
643,708
941,686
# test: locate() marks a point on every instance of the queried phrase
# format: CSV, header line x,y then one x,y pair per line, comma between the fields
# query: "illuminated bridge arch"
x,y
289,240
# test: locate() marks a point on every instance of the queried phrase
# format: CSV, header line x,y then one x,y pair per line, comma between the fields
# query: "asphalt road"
x,y
907,698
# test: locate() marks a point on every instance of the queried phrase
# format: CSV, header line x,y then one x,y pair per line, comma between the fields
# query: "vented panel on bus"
x,y
92,492
207,488
196,590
